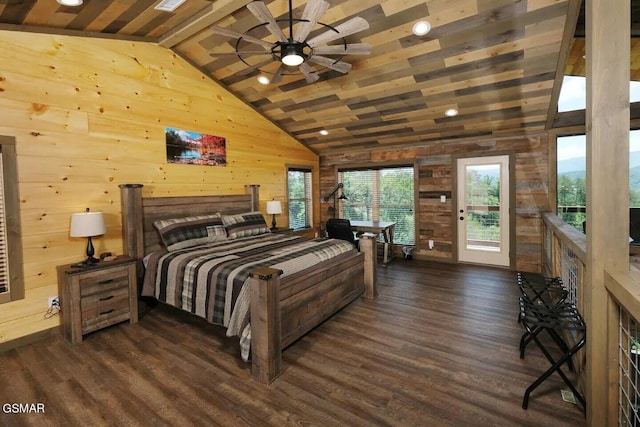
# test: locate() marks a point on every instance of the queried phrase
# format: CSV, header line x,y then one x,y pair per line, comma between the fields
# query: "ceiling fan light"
x,y
292,59
292,55
421,28
70,2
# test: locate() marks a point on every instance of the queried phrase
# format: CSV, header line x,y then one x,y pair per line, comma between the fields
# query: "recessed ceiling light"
x,y
70,2
263,80
421,28
324,132
451,112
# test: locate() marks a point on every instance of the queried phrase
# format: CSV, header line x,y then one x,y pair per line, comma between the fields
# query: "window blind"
x,y
4,262
299,183
381,194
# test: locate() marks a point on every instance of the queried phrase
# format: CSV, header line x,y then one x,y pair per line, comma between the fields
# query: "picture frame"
x,y
195,148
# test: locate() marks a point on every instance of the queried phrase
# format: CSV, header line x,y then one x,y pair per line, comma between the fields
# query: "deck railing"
x,y
564,255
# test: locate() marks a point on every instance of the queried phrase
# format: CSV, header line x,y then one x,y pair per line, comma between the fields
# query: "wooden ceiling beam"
x,y
569,119
206,17
76,33
569,27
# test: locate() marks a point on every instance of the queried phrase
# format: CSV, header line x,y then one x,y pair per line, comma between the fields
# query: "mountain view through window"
x,y
571,156
572,176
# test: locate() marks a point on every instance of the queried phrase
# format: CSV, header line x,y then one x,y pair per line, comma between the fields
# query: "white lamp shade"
x,y
87,224
274,207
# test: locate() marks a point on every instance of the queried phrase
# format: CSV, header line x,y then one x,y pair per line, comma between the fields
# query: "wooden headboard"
x,y
140,237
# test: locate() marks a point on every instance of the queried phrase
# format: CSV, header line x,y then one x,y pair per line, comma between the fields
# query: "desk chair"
x,y
339,228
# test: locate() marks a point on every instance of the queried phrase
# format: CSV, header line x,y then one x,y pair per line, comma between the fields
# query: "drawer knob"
x,y
106,312
106,298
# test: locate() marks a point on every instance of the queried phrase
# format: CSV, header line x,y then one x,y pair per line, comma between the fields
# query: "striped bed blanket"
x,y
210,281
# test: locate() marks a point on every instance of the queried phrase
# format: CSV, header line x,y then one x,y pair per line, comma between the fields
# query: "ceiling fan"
x,y
295,50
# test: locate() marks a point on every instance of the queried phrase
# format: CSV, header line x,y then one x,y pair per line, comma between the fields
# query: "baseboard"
x,y
423,257
30,339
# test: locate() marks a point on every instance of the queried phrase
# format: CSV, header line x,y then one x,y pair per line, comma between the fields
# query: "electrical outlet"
x,y
54,302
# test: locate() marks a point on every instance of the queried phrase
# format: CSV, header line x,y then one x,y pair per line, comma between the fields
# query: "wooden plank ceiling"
x,y
493,60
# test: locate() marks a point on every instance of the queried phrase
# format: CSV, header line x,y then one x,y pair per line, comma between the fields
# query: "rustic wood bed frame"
x,y
280,312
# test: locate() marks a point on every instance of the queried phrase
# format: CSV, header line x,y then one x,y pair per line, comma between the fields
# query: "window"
x,y
571,172
573,93
11,285
300,197
571,163
381,194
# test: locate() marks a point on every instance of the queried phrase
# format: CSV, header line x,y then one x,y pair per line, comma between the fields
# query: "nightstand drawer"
x,y
104,309
94,297
104,281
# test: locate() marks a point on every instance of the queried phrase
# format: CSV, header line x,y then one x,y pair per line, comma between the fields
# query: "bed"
x,y
282,301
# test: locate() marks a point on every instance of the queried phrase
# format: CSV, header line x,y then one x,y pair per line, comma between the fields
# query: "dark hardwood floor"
x,y
439,346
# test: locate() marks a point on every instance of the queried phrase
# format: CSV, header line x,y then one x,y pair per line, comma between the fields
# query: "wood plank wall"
x,y
90,114
436,165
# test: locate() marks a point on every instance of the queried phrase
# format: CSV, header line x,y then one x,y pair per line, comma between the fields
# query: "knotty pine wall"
x,y
90,114
436,164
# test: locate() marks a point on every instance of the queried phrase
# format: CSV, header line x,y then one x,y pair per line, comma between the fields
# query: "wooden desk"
x,y
378,227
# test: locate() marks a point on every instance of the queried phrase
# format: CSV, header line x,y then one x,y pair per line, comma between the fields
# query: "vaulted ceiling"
x,y
495,61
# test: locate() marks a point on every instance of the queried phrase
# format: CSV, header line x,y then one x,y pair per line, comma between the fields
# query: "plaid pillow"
x,y
244,225
179,233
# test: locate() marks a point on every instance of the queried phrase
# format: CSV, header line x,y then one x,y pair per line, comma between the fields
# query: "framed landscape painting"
x,y
193,148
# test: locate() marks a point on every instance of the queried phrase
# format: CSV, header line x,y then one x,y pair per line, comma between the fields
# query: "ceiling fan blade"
x,y
349,27
252,68
243,53
309,75
312,13
340,66
260,11
277,76
234,34
339,49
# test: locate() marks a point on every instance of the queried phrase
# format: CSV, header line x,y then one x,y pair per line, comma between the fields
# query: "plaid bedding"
x,y
210,281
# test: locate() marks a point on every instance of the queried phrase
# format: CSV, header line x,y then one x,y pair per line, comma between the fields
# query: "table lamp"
x,y
274,207
88,224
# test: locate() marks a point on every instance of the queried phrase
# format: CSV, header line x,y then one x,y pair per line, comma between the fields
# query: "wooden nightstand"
x,y
95,297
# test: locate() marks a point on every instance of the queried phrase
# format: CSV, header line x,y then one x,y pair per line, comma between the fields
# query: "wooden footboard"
x,y
280,313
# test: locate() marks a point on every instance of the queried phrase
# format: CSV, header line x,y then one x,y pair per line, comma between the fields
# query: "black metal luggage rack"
x,y
543,307
544,291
